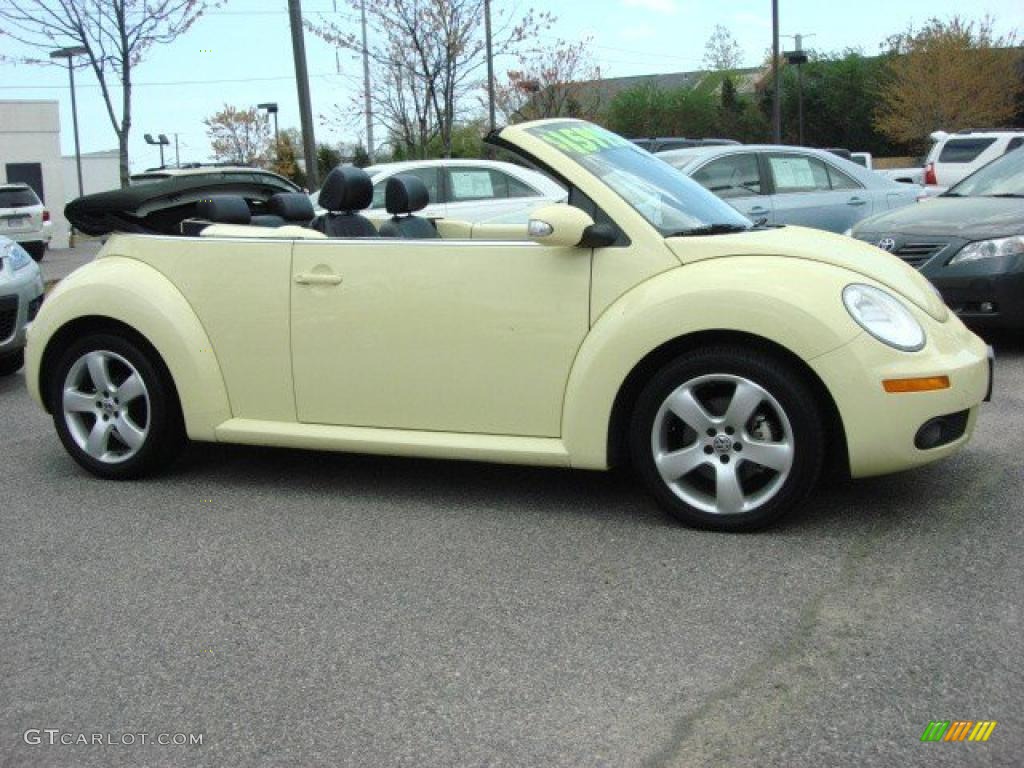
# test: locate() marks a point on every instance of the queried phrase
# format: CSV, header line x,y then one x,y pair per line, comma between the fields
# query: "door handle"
x,y
758,209
856,201
316,278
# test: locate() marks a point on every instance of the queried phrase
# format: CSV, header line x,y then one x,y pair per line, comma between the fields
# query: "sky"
x,y
240,54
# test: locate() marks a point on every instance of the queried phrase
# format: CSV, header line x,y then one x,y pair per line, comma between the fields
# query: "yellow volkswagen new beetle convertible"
x,y
643,321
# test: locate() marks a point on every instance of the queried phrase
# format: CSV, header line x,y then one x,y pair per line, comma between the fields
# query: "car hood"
x,y
816,245
970,218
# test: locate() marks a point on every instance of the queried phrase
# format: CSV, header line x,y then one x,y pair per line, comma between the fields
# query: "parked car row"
x,y
21,295
791,185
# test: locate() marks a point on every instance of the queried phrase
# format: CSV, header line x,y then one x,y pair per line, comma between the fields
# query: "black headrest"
x,y
405,194
291,206
346,188
224,209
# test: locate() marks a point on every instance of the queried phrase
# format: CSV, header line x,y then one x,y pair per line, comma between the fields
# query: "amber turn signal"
x,y
924,384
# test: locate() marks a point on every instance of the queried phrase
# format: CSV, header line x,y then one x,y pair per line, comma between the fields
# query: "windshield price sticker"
x,y
579,139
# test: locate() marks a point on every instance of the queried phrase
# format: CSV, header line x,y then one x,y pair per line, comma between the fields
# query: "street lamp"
x,y
161,141
271,109
799,58
69,54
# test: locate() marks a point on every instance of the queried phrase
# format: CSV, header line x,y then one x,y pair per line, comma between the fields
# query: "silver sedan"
x,y
21,294
772,184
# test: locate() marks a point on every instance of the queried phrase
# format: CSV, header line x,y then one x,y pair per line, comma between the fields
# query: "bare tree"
x,y
558,81
115,33
429,56
722,52
239,135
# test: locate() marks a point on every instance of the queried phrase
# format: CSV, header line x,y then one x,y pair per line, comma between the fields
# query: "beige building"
x,y
101,172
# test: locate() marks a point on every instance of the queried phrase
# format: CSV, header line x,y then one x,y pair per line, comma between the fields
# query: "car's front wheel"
x,y
727,438
115,408
12,363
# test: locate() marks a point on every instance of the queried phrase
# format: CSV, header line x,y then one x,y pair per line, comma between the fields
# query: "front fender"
x,y
137,295
796,304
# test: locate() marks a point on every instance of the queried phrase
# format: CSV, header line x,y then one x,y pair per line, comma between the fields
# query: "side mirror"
x,y
560,224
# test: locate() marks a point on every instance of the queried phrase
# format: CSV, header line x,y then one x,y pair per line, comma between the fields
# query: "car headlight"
x,y
16,256
989,249
884,317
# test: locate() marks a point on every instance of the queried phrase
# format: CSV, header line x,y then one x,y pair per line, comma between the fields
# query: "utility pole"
x,y
69,54
177,157
776,96
490,65
302,83
366,88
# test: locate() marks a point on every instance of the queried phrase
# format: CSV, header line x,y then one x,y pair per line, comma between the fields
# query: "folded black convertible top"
x,y
159,207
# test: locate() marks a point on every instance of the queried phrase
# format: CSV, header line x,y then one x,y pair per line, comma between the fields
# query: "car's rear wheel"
x,y
727,438
115,408
11,363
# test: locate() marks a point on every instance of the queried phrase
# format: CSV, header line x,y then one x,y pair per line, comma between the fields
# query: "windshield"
x,y
17,197
1000,178
670,201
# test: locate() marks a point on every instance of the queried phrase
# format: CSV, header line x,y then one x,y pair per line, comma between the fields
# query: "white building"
x,y
101,172
30,153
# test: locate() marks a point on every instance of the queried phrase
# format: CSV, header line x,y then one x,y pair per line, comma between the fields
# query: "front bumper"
x,y
22,293
984,300
882,429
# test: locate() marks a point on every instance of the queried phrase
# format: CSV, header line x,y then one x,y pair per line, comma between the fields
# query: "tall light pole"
x,y
69,54
271,109
161,141
776,102
799,58
366,87
490,65
302,83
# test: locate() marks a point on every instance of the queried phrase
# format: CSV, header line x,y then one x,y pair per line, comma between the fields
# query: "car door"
x,y
443,335
736,178
431,177
803,193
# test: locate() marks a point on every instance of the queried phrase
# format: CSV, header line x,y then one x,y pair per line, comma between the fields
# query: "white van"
x,y
955,156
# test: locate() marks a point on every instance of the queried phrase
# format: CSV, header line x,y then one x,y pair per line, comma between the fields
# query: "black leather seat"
x,y
293,207
220,209
346,190
286,208
403,196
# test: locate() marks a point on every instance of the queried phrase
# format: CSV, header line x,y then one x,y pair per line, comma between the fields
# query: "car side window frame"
x,y
757,165
831,169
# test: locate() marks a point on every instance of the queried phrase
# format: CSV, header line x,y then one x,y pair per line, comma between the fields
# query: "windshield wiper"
x,y
711,229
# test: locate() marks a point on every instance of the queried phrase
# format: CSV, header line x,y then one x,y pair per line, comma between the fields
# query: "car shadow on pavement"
x,y
454,484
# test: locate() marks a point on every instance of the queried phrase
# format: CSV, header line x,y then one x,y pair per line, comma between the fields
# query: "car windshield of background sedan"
x,y
1000,178
670,201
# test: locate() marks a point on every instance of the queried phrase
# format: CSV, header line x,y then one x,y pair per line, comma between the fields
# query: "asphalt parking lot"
x,y
304,609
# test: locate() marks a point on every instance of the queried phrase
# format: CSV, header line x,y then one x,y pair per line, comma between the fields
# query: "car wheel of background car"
x,y
11,363
115,407
36,250
727,439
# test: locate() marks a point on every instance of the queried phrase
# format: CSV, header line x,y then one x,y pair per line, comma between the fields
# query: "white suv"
x,y
24,219
954,156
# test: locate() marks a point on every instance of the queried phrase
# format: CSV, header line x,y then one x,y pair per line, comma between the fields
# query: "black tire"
x,y
10,364
791,393
165,437
35,250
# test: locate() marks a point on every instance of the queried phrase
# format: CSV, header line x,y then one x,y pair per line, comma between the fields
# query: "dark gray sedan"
x,y
968,241
774,184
